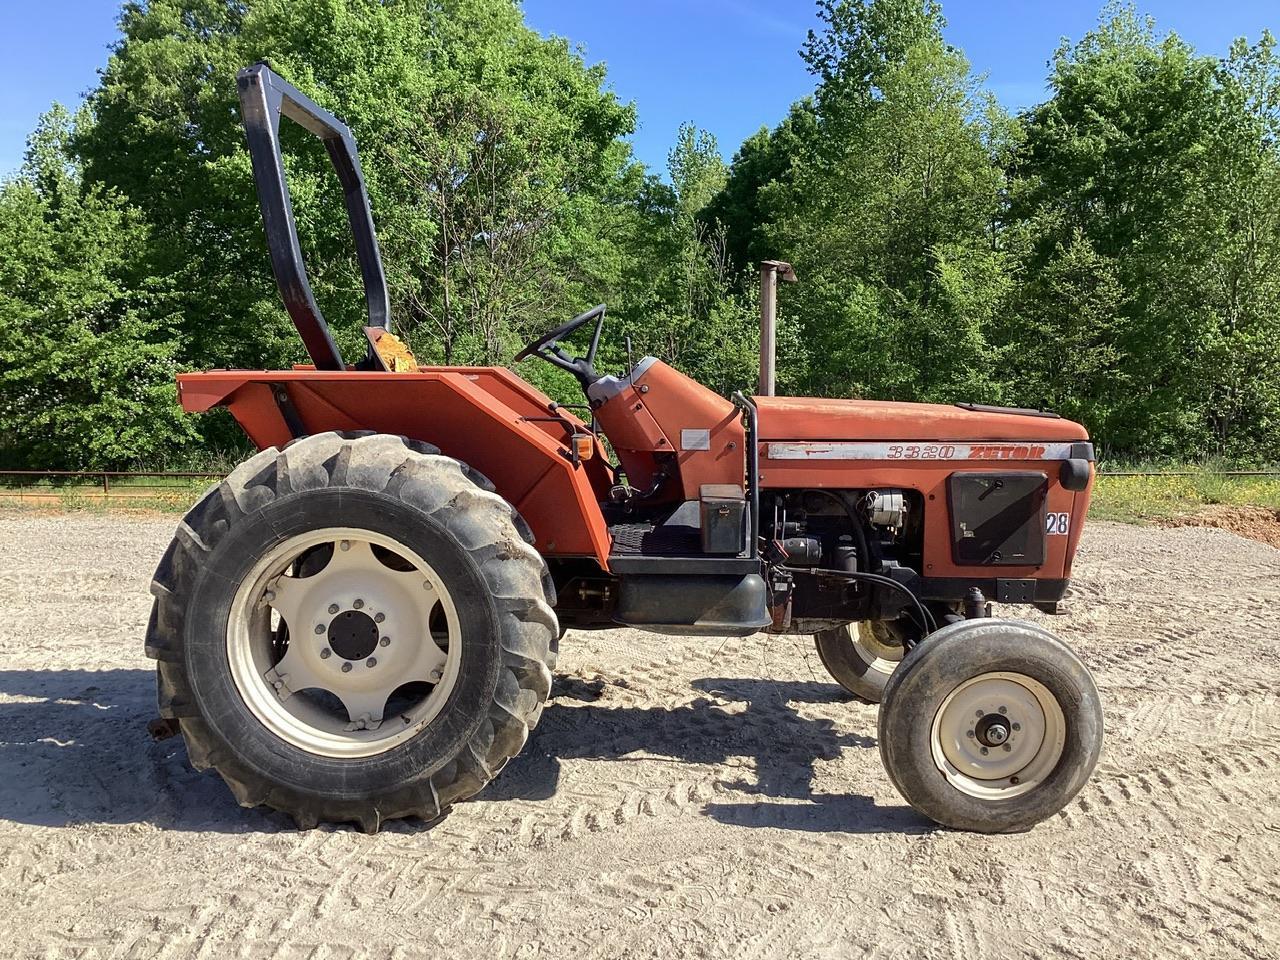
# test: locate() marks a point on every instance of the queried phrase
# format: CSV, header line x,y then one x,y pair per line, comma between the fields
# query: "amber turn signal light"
x,y
584,445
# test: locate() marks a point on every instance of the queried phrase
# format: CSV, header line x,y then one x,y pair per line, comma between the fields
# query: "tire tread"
x,y
481,521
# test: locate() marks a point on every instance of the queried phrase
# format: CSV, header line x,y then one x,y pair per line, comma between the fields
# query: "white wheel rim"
x,y
998,735
358,630
875,647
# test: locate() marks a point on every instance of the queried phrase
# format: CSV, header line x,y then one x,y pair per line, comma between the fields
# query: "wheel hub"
x,y
992,730
353,635
879,644
998,735
370,627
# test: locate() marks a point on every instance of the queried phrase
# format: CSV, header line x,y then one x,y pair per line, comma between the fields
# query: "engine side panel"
x,y
784,467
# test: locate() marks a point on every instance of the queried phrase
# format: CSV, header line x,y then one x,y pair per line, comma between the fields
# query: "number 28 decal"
x,y
1057,524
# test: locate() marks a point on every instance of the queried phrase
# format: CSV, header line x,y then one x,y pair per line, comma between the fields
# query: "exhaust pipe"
x,y
770,270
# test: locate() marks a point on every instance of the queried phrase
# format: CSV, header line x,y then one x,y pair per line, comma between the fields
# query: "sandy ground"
x,y
682,797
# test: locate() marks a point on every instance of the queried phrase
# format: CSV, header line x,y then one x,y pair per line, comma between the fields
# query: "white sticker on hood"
x,y
695,439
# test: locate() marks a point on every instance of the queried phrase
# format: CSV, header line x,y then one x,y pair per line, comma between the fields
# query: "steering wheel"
x,y
547,347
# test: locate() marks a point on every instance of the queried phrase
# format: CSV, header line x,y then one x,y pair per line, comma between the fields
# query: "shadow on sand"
x,y
74,749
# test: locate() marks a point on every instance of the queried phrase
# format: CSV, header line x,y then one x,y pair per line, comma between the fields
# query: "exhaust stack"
x,y
770,270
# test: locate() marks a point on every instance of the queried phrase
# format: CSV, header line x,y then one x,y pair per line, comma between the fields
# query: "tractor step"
x,y
669,548
692,604
656,540
668,584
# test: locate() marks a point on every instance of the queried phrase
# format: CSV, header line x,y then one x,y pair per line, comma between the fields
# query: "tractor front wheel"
x,y
862,656
352,628
990,725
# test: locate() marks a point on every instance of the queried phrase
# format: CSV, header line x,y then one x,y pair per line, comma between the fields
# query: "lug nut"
x,y
333,608
371,662
985,751
346,668
385,642
978,714
326,653
1017,726
1007,748
379,617
358,604
1004,709
969,734
320,628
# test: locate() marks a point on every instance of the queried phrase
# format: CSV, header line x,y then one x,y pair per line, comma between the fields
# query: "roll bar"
x,y
264,98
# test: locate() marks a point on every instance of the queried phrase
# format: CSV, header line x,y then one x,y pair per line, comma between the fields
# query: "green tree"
x,y
1062,328
888,213
86,345
680,301
1239,273
489,153
761,170
1153,166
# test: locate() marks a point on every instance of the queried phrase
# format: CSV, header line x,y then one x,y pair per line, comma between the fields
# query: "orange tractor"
x,y
360,622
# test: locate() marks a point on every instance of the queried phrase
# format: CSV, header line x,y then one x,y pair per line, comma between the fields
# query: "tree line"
x,y
1111,253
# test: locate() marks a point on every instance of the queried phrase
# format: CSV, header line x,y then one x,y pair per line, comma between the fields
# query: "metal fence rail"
x,y
66,480
104,478
1189,473
50,483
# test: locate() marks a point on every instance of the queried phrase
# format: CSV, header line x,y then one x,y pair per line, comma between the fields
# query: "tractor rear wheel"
x,y
353,628
990,725
862,656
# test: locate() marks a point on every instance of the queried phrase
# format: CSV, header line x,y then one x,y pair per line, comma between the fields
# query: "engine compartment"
x,y
819,540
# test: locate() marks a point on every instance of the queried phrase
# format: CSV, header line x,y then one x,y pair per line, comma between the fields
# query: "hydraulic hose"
x,y
926,620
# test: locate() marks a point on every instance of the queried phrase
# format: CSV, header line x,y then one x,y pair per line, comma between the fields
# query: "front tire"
x,y
862,656
353,628
990,725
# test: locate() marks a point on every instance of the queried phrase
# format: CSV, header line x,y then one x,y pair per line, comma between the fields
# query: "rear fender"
x,y
485,417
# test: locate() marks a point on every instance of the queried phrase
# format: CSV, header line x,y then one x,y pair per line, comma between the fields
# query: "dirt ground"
x,y
682,797
1256,523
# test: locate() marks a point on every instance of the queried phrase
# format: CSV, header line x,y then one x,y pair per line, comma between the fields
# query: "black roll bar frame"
x,y
264,99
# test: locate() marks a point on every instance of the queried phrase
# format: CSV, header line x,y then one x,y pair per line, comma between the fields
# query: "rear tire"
x,y
861,656
406,516
990,725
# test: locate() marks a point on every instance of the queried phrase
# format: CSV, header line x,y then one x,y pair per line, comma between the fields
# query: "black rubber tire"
x,y
949,657
849,664
444,511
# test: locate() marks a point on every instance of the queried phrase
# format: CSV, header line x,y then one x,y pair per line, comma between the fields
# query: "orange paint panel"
x,y
474,415
254,407
795,418
634,434
705,428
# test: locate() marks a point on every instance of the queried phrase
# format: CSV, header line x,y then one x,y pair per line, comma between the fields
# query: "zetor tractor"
x,y
360,622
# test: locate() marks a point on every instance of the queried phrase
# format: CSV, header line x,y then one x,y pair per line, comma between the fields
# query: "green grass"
x,y
1135,499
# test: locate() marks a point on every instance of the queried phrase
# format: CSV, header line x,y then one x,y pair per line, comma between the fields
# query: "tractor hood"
x,y
798,418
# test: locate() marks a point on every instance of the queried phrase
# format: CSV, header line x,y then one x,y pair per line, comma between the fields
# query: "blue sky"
x,y
728,65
